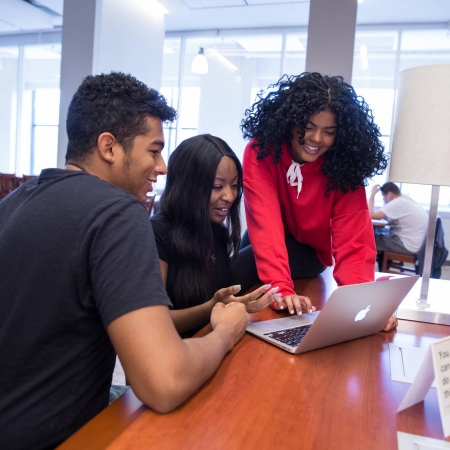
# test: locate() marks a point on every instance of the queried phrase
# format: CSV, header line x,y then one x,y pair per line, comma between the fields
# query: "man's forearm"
x,y
371,204
162,369
195,363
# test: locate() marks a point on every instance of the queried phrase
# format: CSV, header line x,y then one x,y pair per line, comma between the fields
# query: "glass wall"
x,y
239,66
29,107
9,75
378,58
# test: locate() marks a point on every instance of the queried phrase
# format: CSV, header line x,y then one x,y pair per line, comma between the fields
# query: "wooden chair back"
x,y
8,182
149,202
395,263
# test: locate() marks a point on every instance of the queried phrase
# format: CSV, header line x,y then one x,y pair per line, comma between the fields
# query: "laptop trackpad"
x,y
285,322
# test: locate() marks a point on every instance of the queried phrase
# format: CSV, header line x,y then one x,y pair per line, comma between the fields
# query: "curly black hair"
x,y
357,153
185,201
116,103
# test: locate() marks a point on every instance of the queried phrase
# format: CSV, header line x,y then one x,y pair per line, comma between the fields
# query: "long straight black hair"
x,y
185,201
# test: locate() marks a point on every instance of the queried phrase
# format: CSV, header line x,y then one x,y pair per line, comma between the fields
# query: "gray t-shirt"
x,y
408,220
75,254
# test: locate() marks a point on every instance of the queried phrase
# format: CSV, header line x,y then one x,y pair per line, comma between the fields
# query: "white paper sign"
x,y
441,363
436,364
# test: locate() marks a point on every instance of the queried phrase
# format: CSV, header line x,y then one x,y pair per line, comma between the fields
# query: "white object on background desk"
x,y
379,222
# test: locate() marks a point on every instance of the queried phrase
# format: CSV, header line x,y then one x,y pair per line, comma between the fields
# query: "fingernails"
x,y
277,296
281,307
267,286
299,313
291,311
310,310
275,289
237,288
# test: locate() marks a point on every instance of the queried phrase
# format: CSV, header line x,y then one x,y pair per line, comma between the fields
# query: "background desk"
x,y
379,223
340,397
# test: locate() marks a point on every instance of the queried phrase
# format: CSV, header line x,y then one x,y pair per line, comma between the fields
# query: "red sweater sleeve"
x,y
353,243
265,226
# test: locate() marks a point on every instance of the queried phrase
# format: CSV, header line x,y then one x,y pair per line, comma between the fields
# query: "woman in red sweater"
x,y
313,146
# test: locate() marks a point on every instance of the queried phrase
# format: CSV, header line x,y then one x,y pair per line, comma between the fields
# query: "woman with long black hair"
x,y
198,231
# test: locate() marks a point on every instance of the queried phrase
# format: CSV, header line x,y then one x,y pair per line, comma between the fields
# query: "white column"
x,y
100,36
331,37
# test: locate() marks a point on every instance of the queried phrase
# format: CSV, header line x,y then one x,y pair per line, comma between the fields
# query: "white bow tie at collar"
x,y
294,176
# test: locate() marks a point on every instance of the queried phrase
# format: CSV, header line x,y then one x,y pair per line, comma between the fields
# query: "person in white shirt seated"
x,y
407,222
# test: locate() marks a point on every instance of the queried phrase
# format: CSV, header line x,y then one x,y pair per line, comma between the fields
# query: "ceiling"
x,y
27,15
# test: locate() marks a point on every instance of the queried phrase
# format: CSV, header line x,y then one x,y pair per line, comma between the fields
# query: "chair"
x,y
396,261
8,182
440,252
149,202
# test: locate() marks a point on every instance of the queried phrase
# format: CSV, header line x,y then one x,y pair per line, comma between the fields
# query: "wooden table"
x,y
340,397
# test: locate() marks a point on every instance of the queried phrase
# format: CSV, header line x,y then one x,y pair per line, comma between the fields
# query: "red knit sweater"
x,y
337,226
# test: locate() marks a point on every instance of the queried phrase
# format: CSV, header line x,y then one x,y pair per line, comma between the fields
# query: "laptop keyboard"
x,y
291,336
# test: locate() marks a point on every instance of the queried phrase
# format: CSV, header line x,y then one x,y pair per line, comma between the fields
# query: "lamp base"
x,y
435,310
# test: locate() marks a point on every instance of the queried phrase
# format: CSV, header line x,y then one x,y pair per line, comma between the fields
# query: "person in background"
x,y
408,222
80,277
198,231
313,144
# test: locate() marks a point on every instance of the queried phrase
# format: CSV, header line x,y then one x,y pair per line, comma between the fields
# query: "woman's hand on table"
x,y
254,301
391,324
294,303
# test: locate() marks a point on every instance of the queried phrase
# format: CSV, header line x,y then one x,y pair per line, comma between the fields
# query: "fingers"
x,y
222,295
295,303
391,324
257,293
257,300
262,302
263,296
232,319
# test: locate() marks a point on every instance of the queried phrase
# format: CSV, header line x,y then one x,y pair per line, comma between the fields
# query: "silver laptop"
x,y
351,312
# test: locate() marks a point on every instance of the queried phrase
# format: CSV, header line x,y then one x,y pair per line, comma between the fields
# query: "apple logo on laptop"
x,y
362,314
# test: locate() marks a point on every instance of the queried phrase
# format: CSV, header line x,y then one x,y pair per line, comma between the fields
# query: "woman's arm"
x,y
353,242
189,318
375,214
264,222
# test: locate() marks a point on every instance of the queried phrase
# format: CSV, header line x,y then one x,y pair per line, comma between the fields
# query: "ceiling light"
x,y
200,63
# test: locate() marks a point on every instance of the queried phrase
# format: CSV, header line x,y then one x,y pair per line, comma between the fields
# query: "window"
x,y
29,107
44,129
239,66
9,70
378,57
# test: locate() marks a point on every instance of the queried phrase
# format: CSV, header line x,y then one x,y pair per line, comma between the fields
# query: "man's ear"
x,y
105,147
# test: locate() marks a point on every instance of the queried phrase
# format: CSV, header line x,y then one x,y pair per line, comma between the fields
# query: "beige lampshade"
x,y
421,138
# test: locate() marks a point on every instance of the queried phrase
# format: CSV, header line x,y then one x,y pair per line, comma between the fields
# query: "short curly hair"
x,y
116,103
357,153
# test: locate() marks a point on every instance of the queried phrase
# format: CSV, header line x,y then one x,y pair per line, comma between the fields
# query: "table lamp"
x,y
420,154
